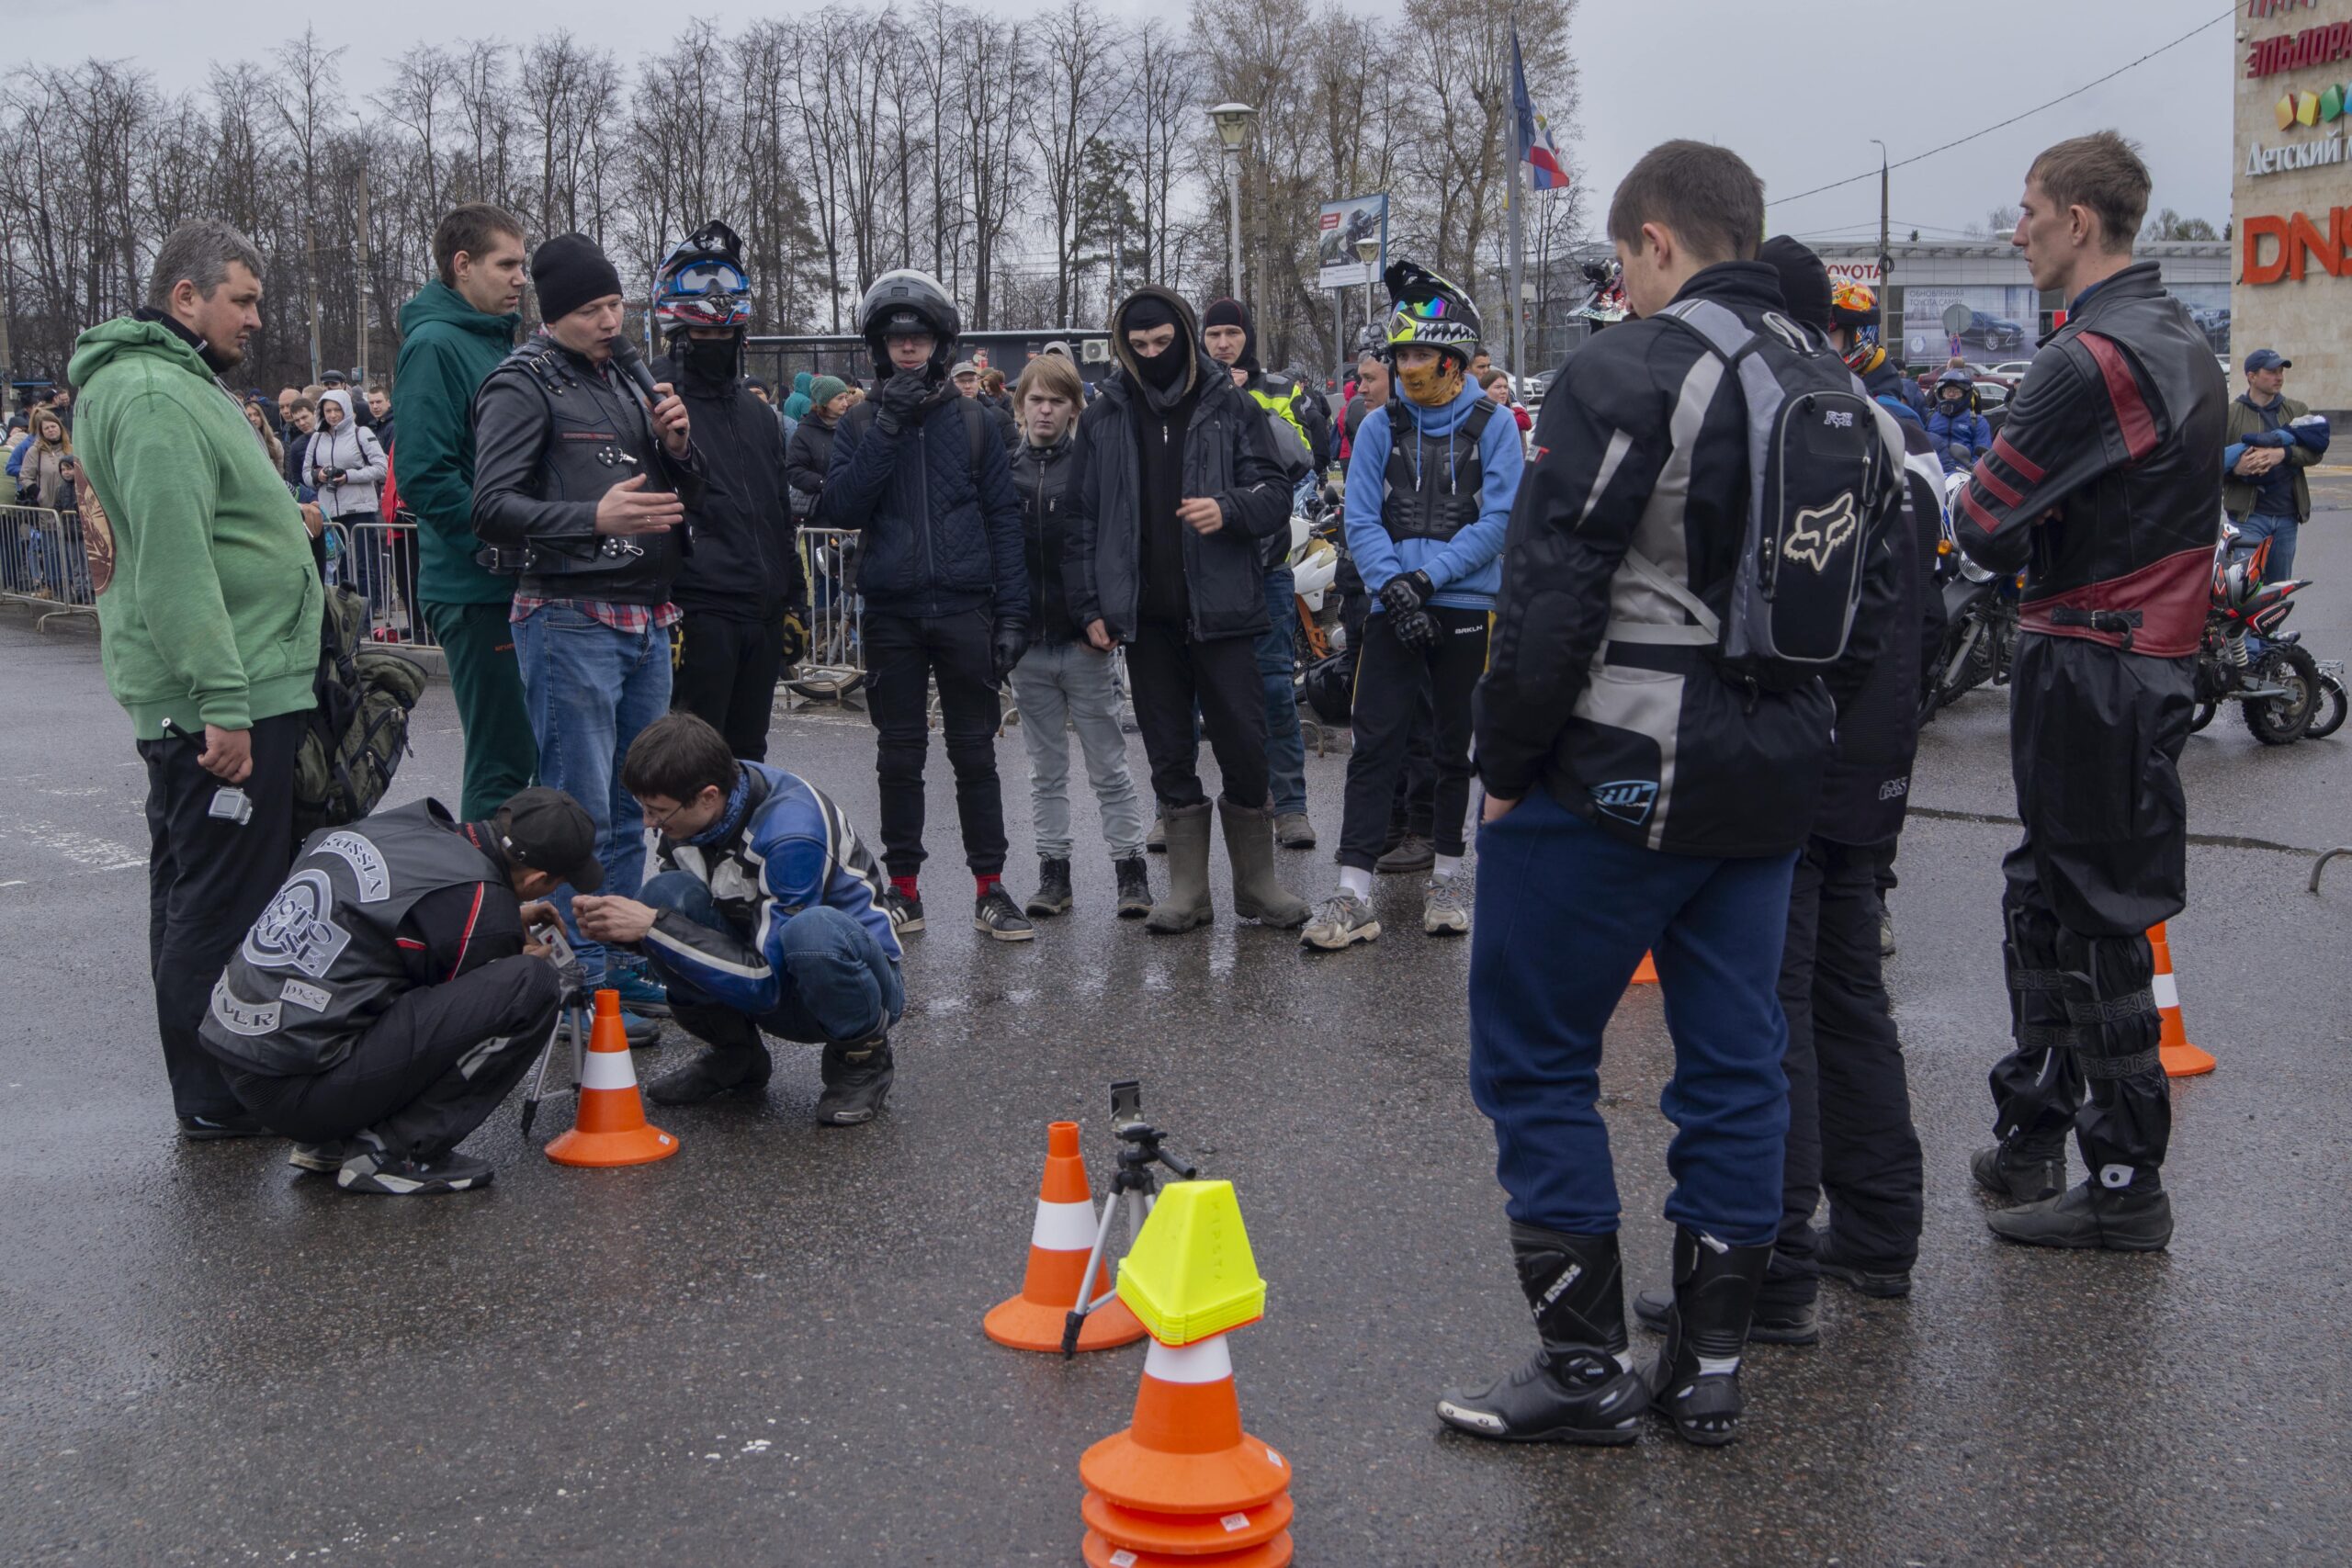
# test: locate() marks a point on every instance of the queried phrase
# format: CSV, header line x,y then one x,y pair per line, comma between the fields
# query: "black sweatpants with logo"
x,y
1393,683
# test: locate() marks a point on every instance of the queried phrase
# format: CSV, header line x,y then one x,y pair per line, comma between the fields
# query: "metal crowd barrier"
x,y
835,663
43,563
380,560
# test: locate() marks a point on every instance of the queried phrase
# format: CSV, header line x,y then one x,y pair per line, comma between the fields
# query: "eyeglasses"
x,y
662,823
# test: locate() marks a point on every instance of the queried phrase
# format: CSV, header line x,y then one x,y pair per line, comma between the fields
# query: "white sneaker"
x,y
1343,920
1442,911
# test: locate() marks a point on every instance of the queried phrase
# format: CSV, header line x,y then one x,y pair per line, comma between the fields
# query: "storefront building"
x,y
2291,194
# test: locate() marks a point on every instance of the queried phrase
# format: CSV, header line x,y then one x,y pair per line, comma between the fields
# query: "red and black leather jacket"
x,y
2105,482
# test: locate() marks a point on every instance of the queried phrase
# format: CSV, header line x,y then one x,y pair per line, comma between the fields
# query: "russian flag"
x,y
1533,132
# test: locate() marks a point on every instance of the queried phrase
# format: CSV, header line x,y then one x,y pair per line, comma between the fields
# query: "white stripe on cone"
x,y
1064,1228
1207,1362
607,1070
2168,992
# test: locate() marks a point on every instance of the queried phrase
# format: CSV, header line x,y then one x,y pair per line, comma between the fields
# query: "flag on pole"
x,y
1534,132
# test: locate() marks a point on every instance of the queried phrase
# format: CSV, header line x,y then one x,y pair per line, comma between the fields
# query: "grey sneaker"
x,y
1294,831
1442,911
1343,920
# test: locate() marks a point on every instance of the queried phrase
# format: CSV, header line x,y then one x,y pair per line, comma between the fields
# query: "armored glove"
x,y
902,399
1417,629
1407,592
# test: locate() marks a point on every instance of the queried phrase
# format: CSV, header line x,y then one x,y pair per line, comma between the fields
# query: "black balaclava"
x,y
1234,313
708,359
1164,369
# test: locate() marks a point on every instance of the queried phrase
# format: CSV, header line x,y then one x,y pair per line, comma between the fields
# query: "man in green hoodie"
x,y
209,618
453,334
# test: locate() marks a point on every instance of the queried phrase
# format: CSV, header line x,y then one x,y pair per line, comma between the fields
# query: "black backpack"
x,y
358,732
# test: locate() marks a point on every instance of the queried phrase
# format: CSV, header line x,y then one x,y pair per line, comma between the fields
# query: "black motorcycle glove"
x,y
1407,592
902,399
1011,640
1417,629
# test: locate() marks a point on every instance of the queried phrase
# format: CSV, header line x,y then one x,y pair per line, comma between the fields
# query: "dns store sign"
x,y
2278,249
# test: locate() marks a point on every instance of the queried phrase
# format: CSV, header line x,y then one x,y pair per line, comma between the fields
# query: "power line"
x,y
1974,135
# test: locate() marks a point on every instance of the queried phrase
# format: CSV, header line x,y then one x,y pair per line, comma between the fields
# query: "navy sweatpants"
x,y
1564,914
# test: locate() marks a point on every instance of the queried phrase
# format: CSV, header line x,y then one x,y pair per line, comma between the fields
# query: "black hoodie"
x,y
744,566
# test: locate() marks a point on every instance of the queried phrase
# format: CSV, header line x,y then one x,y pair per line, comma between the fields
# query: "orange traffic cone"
x,y
1184,1484
2181,1059
1058,1245
1647,974
610,1128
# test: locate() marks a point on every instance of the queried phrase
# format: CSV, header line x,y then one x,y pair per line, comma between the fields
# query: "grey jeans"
x,y
1059,684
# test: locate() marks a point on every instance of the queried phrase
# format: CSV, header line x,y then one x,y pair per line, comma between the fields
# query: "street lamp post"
x,y
1885,261
1368,253
1232,121
366,292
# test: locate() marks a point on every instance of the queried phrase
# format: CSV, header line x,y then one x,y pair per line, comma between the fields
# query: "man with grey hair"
x,y
209,614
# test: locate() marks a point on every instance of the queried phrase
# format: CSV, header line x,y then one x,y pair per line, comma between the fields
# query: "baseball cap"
x,y
963,368
547,831
2267,359
331,376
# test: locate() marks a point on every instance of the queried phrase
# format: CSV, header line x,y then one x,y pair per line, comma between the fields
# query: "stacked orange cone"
x,y
1058,1244
1184,1486
610,1128
2181,1059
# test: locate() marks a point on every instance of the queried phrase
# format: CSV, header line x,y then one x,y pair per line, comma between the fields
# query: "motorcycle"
x,y
1979,636
2279,689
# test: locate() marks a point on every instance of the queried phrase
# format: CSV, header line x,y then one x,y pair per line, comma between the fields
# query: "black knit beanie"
x,y
1805,282
569,271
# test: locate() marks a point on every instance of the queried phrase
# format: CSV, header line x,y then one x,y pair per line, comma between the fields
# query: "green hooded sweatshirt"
x,y
447,350
207,601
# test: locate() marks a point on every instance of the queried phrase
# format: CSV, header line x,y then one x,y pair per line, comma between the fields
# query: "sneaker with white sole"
x,y
371,1170
325,1158
995,914
1442,911
1342,920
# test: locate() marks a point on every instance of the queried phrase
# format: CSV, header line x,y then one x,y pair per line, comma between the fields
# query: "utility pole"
x,y
1885,261
310,281
367,291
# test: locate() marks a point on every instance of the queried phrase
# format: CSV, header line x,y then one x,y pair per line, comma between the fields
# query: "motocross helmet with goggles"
x,y
1962,389
1854,307
1426,312
700,285
907,303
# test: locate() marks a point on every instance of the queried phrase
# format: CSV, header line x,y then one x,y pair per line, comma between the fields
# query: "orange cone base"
x,y
1024,1325
637,1145
2186,1061
1247,1475
1647,974
1189,1536
1100,1553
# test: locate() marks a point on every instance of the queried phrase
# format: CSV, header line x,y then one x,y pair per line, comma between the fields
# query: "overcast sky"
x,y
1798,87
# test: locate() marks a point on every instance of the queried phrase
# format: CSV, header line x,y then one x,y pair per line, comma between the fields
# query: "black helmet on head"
x,y
1424,309
908,303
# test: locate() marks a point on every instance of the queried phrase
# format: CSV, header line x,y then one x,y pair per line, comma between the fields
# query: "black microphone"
x,y
633,365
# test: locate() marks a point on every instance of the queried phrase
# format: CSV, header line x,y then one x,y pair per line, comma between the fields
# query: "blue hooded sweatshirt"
x,y
1467,570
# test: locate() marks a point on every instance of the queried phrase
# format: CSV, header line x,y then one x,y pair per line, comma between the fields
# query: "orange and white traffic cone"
x,y
1059,1243
1184,1484
1647,974
610,1128
2181,1059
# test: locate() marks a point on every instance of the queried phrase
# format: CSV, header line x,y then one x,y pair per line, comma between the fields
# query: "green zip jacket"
x,y
447,349
207,601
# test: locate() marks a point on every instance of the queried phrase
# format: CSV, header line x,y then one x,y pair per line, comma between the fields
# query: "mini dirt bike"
x,y
2280,688
1980,611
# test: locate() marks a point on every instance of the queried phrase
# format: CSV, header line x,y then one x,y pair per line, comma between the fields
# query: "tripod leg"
x,y
1075,1321
539,1084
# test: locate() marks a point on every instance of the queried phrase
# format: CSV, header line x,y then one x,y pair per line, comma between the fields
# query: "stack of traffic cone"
x,y
1184,1486
1058,1244
610,1128
2181,1059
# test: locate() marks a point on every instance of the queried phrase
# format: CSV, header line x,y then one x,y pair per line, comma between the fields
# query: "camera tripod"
x,y
1135,1187
573,1009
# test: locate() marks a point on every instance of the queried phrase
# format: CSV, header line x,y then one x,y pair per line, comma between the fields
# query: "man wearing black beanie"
x,y
1177,491
580,490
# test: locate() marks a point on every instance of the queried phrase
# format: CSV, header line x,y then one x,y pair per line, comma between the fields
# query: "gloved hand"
x,y
795,637
902,399
1011,640
1407,592
1417,629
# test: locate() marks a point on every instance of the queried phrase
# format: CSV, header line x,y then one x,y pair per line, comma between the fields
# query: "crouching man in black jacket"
x,y
392,994
1177,488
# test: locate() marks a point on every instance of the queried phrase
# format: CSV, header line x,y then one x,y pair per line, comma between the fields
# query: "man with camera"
x,y
392,993
583,474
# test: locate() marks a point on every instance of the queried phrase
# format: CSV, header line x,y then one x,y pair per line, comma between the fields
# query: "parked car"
x,y
2012,371
1991,331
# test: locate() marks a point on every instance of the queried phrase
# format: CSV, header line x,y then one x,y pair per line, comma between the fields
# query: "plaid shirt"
x,y
632,618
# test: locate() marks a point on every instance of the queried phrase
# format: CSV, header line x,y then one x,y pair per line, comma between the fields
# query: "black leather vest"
x,y
1433,483
324,962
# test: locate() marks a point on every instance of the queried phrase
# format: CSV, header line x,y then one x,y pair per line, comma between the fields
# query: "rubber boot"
x,y
737,1058
1578,1387
1258,894
1694,1382
1186,907
2137,1218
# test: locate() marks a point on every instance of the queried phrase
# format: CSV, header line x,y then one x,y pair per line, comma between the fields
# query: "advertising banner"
x,y
1341,225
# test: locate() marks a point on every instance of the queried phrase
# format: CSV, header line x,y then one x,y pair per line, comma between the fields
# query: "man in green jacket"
x,y
208,617
2265,490
453,334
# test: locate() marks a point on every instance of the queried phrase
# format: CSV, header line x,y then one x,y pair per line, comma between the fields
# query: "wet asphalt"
x,y
767,1350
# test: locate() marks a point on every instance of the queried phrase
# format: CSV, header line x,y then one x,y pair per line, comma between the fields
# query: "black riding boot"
x,y
1577,1388
1695,1380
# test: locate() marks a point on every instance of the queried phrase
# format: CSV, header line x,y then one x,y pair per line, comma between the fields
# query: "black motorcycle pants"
x,y
1394,686
904,654
723,670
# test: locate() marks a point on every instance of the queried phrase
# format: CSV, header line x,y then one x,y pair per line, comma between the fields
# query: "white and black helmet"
x,y
903,303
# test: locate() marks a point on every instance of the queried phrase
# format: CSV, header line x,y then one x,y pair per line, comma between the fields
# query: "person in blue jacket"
x,y
765,916
1432,476
1962,434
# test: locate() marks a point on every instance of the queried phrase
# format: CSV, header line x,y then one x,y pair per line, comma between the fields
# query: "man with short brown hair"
x,y
2102,487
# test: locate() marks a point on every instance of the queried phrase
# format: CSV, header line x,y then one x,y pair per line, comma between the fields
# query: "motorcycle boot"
x,y
1773,1323
1578,1387
856,1075
738,1057
2017,1173
1694,1382
2038,1084
1186,907
2135,1216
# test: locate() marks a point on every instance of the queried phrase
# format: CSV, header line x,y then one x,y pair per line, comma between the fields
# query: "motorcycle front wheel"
x,y
2281,721
2327,715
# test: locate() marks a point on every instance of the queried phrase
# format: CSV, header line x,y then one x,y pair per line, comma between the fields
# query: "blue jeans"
x,y
2280,532
1285,746
1565,913
589,690
837,982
